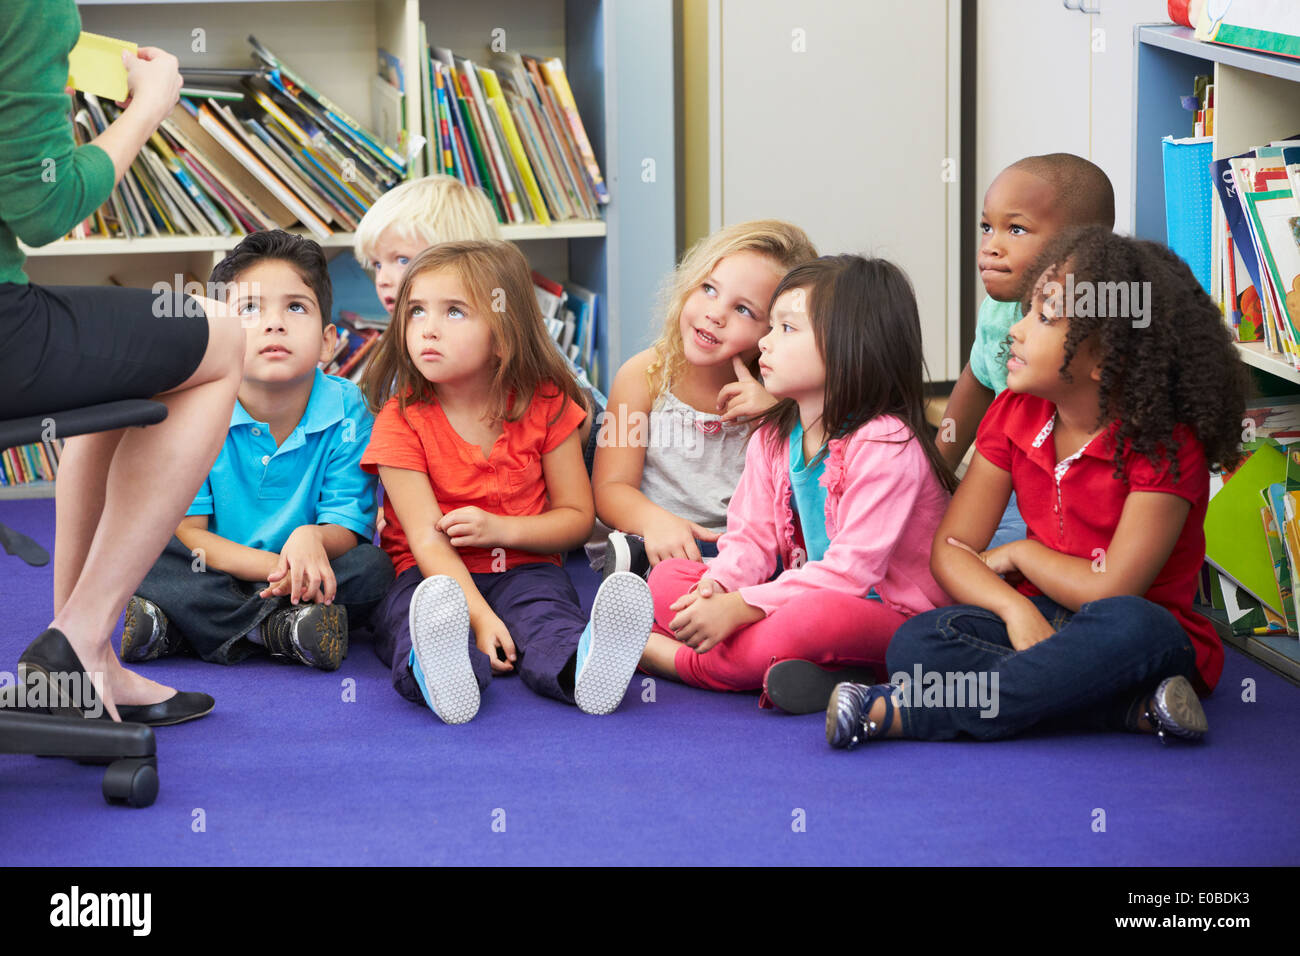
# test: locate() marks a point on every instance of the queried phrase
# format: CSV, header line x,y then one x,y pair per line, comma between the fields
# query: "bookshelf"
x,y
1257,99
619,59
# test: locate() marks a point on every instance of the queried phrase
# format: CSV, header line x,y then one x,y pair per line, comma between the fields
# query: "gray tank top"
x,y
692,465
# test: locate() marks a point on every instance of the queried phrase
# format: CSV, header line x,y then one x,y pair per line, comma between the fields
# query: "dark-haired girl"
x,y
1111,418
841,490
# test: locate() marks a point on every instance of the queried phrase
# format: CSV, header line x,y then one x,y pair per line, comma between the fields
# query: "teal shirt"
x,y
48,183
809,497
988,363
258,494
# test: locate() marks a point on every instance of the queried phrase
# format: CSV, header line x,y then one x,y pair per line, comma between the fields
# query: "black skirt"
x,y
64,347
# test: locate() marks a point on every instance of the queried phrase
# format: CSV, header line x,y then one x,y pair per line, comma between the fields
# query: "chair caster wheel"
x,y
133,781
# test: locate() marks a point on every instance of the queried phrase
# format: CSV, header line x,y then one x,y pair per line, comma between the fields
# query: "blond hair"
x,y
500,288
786,244
429,210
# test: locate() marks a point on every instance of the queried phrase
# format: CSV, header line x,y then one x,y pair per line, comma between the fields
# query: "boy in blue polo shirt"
x,y
276,548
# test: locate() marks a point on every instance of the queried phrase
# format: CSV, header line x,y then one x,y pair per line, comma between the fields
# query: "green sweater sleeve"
x,y
48,184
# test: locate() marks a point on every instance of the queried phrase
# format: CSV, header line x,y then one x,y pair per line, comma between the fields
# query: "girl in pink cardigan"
x,y
840,497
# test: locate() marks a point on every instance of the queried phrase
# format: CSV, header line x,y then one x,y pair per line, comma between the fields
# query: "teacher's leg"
x,y
119,498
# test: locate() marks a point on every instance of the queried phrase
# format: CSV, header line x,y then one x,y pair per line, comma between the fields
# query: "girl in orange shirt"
x,y
476,443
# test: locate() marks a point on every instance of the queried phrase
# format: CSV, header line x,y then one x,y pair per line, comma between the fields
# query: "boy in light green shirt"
x,y
1026,206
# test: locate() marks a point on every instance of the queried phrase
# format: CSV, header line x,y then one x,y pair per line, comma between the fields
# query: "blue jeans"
x,y
213,610
1011,527
1094,673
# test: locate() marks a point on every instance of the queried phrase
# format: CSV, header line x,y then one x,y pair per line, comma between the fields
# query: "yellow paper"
x,y
95,66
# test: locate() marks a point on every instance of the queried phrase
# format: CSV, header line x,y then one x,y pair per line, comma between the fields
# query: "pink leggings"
x,y
825,627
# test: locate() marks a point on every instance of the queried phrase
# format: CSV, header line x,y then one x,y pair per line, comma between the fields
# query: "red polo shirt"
x,y
1074,506
509,481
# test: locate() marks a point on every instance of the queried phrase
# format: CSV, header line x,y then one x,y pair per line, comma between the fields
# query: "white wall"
x,y
1056,80
838,116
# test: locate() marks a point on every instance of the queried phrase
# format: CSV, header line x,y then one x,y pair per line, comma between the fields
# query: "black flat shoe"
x,y
54,678
180,707
802,687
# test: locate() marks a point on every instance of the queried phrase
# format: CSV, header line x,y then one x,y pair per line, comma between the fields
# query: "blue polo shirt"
x,y
258,494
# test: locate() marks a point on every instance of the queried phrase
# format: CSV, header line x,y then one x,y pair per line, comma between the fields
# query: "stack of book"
x,y
1252,526
570,311
512,129
273,152
1256,245
27,463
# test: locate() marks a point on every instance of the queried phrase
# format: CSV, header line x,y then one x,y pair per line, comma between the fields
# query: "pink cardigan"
x,y
883,505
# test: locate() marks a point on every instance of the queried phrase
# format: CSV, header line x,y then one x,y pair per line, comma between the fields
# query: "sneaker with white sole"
x,y
439,619
625,552
612,644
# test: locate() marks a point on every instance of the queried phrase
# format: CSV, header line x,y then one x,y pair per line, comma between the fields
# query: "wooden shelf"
x,y
31,489
1258,355
569,229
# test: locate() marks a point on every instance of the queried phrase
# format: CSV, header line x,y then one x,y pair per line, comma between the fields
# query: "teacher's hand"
x,y
153,77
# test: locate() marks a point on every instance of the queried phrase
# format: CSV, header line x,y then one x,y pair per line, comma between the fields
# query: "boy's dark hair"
x,y
868,330
305,255
1082,188
1177,365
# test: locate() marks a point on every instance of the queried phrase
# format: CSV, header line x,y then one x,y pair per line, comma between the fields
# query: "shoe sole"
x,y
134,619
833,721
1180,710
802,687
326,641
439,620
621,617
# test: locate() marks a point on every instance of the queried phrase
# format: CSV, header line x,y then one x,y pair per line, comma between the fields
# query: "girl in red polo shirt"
x,y
1123,390
476,443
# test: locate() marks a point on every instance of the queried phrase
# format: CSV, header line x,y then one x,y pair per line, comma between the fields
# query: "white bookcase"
x,y
618,55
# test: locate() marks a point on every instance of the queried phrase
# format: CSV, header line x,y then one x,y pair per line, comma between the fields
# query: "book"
x,y
1245,557
1188,198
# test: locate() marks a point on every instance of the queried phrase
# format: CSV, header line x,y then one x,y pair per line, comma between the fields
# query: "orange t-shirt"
x,y
507,482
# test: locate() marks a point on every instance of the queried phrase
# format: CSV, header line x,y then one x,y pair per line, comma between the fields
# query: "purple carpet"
x,y
285,771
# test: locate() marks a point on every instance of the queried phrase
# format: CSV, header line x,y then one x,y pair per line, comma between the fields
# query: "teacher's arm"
x,y
48,183
154,79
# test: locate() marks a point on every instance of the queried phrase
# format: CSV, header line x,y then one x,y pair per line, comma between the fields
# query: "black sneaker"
x,y
146,633
625,552
802,687
312,634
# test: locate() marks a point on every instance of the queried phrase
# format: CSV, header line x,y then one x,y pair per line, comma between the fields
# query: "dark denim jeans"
x,y
1093,673
213,610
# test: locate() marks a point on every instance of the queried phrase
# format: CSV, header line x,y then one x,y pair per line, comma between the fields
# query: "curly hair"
x,y
1177,365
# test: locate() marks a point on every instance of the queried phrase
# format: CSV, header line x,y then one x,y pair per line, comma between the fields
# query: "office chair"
x,y
127,749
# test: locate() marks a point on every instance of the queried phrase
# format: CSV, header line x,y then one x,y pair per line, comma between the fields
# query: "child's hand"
x,y
470,527
704,588
1026,627
745,397
490,633
709,620
672,537
1000,560
303,571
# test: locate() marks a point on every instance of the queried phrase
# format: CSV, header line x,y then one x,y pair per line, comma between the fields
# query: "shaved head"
x,y
1082,189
